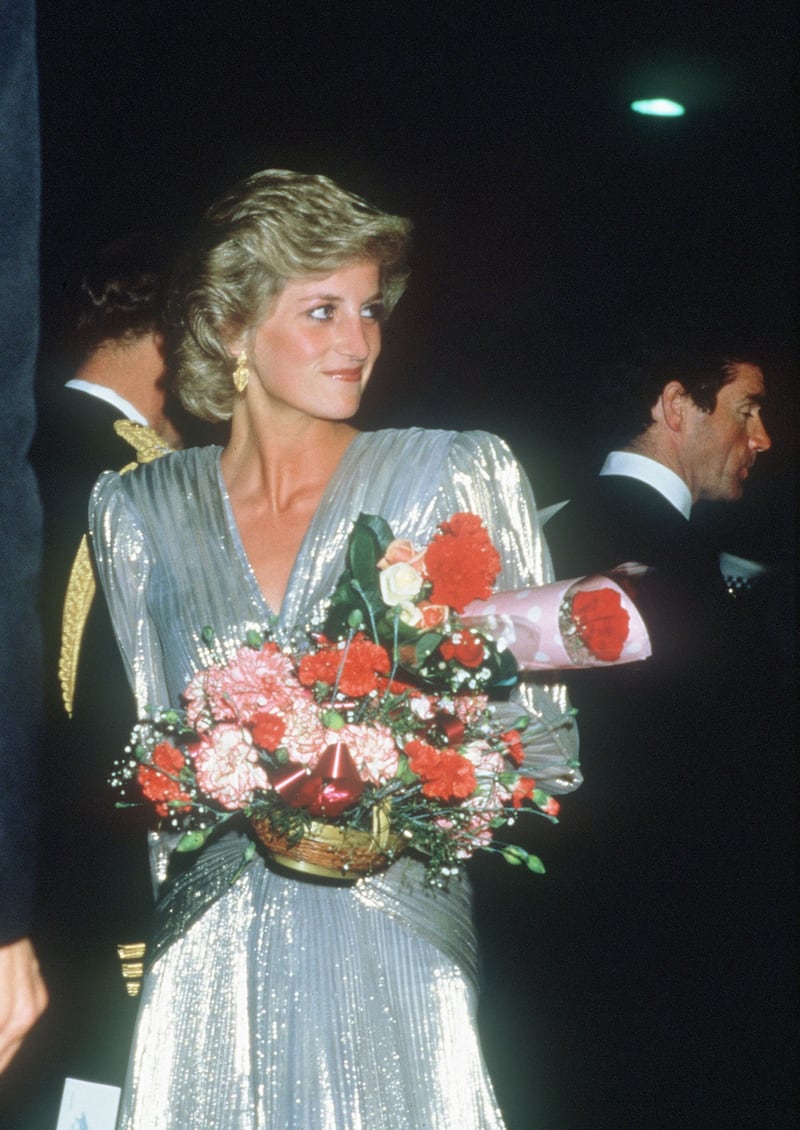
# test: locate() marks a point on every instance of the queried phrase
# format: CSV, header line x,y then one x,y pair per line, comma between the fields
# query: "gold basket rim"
x,y
331,850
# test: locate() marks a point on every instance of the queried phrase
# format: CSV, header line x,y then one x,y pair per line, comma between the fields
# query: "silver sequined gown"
x,y
281,1004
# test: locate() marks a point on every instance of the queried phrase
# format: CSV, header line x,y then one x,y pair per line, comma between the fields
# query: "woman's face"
x,y
313,352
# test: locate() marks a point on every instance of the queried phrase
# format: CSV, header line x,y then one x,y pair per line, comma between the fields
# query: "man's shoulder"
x,y
611,519
619,498
76,429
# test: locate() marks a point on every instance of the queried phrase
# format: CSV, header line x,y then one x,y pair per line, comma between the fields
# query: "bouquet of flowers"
x,y
380,737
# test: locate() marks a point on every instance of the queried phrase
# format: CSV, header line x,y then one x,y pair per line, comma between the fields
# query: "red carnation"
x,y
268,730
356,667
514,750
465,647
320,667
523,791
445,775
157,779
602,622
461,562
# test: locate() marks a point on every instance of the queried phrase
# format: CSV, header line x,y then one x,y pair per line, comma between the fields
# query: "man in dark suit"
x,y
22,992
658,928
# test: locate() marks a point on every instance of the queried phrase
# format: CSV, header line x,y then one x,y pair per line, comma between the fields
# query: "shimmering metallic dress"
x,y
275,1003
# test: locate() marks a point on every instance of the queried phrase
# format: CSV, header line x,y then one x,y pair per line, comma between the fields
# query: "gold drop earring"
x,y
241,373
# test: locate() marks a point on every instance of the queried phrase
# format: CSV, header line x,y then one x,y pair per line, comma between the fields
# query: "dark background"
x,y
549,218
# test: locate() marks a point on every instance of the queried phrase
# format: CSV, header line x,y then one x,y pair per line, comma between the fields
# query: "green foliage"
x,y
194,839
357,599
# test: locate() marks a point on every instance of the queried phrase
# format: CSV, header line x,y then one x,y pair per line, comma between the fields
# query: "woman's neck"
x,y
275,486
281,465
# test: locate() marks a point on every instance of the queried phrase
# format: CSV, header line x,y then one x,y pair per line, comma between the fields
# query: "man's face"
x,y
721,446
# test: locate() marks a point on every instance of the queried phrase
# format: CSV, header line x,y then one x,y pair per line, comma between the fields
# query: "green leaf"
x,y
249,852
535,864
379,527
332,719
207,635
426,645
363,554
403,772
194,840
514,854
254,639
355,619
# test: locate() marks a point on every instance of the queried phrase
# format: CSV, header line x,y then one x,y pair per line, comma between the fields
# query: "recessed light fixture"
x,y
658,107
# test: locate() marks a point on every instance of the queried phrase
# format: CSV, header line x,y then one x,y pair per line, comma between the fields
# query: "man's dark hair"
x,y
122,291
700,359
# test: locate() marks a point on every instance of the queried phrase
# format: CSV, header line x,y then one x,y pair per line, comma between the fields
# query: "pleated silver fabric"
x,y
283,1004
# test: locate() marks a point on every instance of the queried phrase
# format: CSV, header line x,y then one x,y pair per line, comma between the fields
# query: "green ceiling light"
x,y
658,107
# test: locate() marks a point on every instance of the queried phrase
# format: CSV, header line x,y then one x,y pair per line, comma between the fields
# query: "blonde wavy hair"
x,y
272,227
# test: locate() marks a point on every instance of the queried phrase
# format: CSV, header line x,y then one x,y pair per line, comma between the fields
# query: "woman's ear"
x,y
236,344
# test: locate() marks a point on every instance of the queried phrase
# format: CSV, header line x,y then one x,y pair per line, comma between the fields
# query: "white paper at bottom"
x,y
88,1106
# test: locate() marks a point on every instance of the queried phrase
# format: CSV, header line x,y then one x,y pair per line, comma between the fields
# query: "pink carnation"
x,y
305,738
197,713
255,681
469,708
226,766
372,748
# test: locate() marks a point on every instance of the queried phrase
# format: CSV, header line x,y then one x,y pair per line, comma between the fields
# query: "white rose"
x,y
400,583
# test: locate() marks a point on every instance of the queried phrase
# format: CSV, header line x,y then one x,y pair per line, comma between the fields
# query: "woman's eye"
x,y
373,311
322,313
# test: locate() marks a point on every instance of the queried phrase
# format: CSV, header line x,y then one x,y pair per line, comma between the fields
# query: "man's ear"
x,y
672,405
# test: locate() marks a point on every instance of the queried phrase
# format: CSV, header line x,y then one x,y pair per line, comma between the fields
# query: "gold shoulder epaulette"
x,y
147,443
80,591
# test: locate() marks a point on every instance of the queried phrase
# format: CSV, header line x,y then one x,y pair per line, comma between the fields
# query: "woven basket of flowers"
x,y
331,851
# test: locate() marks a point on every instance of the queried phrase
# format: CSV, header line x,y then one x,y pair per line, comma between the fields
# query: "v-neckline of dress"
x,y
277,618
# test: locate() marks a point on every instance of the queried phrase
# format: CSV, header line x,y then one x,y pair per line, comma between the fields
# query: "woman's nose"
x,y
353,341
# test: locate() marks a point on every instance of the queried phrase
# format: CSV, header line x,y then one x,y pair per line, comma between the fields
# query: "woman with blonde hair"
x,y
275,1002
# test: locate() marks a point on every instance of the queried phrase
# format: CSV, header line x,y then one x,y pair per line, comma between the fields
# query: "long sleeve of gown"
x,y
485,478
124,562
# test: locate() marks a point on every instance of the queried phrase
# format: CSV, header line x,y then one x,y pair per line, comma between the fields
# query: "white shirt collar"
x,y
110,397
655,474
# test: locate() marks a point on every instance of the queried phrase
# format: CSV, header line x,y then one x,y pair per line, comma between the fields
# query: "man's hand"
x,y
23,997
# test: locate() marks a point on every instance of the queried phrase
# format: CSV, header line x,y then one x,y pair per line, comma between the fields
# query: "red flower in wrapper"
x,y
445,775
157,780
356,667
601,621
461,562
465,647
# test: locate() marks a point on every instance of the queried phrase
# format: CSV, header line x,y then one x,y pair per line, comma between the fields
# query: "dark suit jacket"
x,y
660,741
653,966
